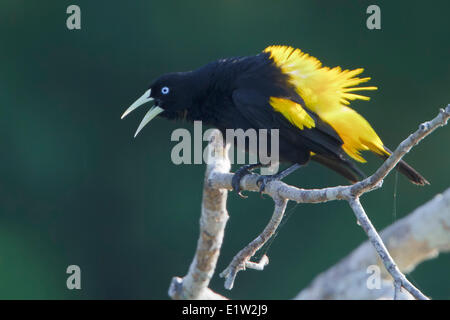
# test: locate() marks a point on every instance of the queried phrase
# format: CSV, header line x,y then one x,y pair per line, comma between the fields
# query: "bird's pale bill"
x,y
153,112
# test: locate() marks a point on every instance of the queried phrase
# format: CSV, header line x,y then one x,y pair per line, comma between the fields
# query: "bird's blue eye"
x,y
165,90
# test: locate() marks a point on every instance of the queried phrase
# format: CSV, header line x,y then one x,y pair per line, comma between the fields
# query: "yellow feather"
x,y
327,92
293,112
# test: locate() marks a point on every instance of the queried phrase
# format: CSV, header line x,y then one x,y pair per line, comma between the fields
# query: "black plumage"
x,y
234,93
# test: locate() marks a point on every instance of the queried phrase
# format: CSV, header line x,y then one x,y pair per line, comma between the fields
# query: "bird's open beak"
x,y
153,112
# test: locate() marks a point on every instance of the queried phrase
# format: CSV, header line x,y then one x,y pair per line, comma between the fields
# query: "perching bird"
x,y
281,88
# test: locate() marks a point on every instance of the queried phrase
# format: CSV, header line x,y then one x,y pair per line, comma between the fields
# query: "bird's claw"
x,y
262,181
236,180
240,194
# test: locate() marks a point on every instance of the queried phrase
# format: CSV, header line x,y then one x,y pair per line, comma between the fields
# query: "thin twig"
x,y
242,259
403,148
375,239
411,240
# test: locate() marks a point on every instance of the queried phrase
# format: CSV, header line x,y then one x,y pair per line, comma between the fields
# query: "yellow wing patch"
x,y
293,112
322,88
327,92
355,132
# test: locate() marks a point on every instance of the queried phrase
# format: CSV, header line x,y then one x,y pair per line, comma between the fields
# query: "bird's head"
x,y
172,94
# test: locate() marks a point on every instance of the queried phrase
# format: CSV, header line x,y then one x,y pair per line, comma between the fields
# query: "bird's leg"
x,y
241,173
264,180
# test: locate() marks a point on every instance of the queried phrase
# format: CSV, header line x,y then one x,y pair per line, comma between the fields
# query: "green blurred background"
x,y
76,188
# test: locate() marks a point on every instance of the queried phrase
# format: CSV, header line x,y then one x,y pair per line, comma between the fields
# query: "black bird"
x,y
280,88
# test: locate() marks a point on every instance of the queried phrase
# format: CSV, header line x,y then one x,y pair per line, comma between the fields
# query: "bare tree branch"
x,y
419,236
399,278
213,220
219,180
241,260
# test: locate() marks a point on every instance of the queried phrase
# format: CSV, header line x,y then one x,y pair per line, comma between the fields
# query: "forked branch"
x,y
218,181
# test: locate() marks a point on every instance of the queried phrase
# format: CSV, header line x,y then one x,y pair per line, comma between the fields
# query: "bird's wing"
x,y
328,92
298,125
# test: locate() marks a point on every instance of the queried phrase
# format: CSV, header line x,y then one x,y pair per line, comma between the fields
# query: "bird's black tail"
x,y
350,171
344,167
408,171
